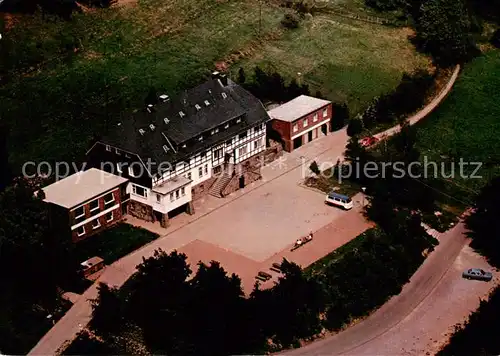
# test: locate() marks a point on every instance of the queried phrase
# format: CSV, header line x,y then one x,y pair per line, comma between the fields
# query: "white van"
x,y
340,200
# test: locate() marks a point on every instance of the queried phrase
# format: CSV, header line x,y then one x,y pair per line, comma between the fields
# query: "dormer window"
x,y
224,95
108,148
238,121
165,148
152,127
184,146
142,132
226,126
197,107
216,130
181,114
207,103
200,138
212,132
166,120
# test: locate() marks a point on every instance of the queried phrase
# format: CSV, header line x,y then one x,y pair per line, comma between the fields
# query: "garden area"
x,y
114,243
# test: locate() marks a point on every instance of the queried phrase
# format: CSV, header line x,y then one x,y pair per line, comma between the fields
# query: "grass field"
x,y
347,60
170,45
466,125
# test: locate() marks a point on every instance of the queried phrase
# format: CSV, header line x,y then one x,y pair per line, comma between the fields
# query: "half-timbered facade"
x,y
181,148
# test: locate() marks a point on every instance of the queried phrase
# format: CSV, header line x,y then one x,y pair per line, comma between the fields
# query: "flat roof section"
x,y
81,187
297,108
171,185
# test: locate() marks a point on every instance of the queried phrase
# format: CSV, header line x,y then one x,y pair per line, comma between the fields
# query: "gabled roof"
x,y
227,104
297,108
81,187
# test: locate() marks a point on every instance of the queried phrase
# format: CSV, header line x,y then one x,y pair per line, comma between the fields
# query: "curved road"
x,y
421,285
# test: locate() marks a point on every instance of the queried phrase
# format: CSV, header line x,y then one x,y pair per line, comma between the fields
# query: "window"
x,y
171,197
238,121
152,127
142,132
109,198
183,191
229,142
177,194
80,231
200,172
206,168
207,103
197,107
166,120
224,95
325,112
131,171
189,175
181,114
108,148
139,191
256,144
226,126
117,151
295,128
79,212
94,206
119,168
200,138
166,149
315,117
304,123
218,154
242,135
158,198
96,224
109,216
243,151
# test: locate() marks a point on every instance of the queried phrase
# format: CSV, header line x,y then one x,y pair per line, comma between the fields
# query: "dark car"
x,y
477,273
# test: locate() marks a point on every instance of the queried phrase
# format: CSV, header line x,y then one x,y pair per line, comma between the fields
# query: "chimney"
x,y
223,79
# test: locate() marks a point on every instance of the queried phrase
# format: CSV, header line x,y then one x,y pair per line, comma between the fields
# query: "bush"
x,y
290,21
495,39
355,127
314,168
340,116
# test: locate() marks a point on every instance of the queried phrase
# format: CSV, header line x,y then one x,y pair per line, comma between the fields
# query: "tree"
x,y
355,126
484,224
293,90
314,168
5,174
151,98
107,311
340,116
443,30
241,76
290,21
495,39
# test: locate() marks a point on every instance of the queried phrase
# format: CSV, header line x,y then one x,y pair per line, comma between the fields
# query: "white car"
x,y
340,200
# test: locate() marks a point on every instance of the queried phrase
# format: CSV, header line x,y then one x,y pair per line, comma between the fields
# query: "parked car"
x,y
368,141
477,273
339,200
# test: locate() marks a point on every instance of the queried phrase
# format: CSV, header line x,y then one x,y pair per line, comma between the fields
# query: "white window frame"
x,y
172,198
83,233
108,148
119,168
177,194
109,201
325,112
82,215
305,123
96,208
295,128
183,191
134,190
206,169
112,216
188,176
200,171
315,117
98,224
243,151
158,198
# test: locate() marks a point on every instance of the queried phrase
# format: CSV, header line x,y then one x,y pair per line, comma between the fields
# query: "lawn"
x,y
171,45
466,126
114,243
347,60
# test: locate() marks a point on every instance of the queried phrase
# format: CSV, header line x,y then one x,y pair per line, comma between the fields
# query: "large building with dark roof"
x,y
181,146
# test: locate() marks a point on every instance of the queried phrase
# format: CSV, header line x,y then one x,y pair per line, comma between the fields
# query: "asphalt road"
x,y
384,320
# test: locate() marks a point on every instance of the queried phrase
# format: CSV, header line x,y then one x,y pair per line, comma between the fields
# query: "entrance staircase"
x,y
219,185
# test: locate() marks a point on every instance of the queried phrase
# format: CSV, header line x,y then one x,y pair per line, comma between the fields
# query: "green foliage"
x,y
241,76
495,39
479,335
355,126
33,260
443,30
340,115
484,224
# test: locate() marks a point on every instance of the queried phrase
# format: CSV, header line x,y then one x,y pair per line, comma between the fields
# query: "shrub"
x,y
340,116
355,126
495,39
314,168
290,21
